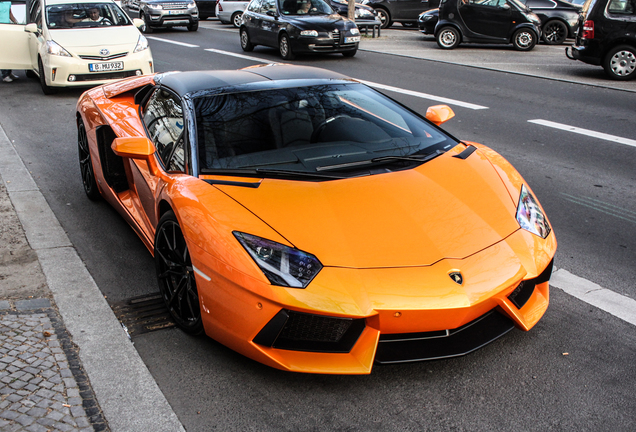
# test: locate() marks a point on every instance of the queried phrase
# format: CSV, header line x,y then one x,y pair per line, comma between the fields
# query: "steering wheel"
x,y
321,126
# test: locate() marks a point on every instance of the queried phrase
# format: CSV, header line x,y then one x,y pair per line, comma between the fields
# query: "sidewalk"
x,y
66,364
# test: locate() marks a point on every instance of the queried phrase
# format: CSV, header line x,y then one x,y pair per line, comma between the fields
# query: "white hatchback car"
x,y
74,43
231,11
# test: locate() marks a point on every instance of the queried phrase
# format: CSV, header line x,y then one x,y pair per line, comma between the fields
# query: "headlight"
x,y
54,49
191,5
354,31
530,216
142,44
313,33
155,6
282,265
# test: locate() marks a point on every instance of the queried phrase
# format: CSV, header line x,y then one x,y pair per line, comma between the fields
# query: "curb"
x,y
125,390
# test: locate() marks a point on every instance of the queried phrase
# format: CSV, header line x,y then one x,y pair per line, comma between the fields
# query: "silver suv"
x,y
165,13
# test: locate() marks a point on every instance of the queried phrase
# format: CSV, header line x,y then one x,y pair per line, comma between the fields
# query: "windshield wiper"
x,y
257,172
413,158
286,173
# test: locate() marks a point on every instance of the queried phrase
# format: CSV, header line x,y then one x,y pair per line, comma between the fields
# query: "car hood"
x,y
317,22
91,40
445,208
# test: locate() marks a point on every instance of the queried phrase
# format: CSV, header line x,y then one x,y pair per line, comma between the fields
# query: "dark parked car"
x,y
298,26
428,20
363,13
607,37
207,8
402,11
559,19
487,21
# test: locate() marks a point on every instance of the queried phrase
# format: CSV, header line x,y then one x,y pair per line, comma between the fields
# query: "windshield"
x,y
304,7
312,130
82,15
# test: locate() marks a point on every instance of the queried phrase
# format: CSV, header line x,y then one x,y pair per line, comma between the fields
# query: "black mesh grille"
x,y
315,328
104,76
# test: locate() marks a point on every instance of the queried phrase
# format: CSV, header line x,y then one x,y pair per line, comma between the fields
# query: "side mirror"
x,y
272,13
139,23
134,148
31,28
439,114
506,6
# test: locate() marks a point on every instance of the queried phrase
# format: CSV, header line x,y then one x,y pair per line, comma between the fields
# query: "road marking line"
x,y
613,303
172,42
424,96
587,132
243,56
603,207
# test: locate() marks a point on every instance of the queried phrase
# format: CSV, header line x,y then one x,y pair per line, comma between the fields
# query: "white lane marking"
x,y
586,132
243,56
616,304
425,96
172,42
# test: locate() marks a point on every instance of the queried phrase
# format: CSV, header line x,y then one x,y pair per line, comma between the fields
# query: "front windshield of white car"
x,y
304,7
314,129
85,15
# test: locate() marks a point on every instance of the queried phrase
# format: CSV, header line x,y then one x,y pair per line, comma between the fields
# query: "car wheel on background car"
x,y
146,28
236,18
45,87
524,40
384,17
85,162
448,38
175,275
245,41
284,46
620,63
554,32
194,26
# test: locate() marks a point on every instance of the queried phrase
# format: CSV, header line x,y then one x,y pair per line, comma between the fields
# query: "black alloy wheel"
x,y
146,28
385,17
46,89
246,44
448,38
554,32
175,275
620,63
86,163
284,46
236,19
524,39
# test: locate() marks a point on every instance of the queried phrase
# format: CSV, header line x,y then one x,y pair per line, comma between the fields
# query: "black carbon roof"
x,y
188,82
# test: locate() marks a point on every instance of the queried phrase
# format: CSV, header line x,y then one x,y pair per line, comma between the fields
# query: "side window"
x,y
163,118
268,5
622,7
12,12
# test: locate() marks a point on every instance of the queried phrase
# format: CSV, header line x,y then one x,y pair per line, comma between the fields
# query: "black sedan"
x,y
559,19
298,26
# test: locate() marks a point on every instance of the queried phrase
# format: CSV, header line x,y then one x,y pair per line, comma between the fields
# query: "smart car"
x,y
313,224
60,43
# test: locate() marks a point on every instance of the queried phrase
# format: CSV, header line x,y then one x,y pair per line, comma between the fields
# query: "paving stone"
x,y
55,415
37,428
25,420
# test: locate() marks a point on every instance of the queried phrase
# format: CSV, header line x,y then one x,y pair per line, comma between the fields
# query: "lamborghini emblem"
x,y
457,277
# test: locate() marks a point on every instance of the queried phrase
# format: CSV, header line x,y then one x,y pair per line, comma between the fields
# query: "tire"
x,y
620,63
193,26
385,18
448,38
554,32
175,275
284,46
45,88
236,19
524,39
246,44
408,24
147,29
86,163
350,53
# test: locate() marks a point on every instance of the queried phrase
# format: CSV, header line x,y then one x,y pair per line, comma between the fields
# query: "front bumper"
x,y
172,18
323,44
58,69
586,54
347,319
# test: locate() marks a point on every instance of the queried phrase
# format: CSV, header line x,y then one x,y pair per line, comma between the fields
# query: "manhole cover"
x,y
143,314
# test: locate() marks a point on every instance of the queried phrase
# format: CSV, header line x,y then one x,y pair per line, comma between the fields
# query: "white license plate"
x,y
352,39
104,67
175,12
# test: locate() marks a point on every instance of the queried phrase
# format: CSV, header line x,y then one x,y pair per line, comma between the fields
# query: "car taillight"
x,y
220,6
588,30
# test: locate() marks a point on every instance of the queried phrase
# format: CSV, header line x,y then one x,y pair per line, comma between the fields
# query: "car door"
x,y
490,19
14,49
252,20
165,126
408,9
269,23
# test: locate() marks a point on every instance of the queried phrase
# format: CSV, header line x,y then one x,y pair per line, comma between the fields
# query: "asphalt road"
x,y
575,370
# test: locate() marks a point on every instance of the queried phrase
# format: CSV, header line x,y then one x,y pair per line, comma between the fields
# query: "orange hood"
x,y
445,208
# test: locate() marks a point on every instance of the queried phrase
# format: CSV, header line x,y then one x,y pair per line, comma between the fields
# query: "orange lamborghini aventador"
x,y
313,224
